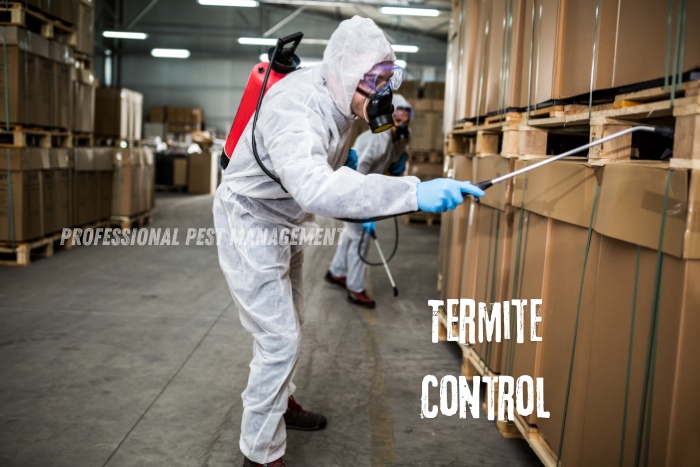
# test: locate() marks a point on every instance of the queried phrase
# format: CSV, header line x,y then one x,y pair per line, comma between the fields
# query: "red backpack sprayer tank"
x,y
283,61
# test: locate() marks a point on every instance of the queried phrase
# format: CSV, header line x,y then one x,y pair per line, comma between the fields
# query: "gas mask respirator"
x,y
378,109
402,133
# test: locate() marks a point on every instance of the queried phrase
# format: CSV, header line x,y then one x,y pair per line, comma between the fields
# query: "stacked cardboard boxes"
x,y
119,114
177,119
511,55
132,181
21,195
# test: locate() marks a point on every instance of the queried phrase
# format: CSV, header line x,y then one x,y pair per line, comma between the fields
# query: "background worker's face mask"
x,y
402,133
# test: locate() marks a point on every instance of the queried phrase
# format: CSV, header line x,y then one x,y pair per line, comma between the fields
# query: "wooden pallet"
x,y
76,232
136,221
421,217
534,438
20,253
19,14
111,141
20,137
82,140
434,157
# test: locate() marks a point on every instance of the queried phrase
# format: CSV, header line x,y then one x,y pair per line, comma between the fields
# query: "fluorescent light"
x,y
170,53
240,3
401,63
125,35
388,10
305,62
411,49
257,41
272,41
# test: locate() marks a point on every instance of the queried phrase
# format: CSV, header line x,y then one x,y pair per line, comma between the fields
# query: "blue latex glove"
x,y
442,194
399,166
351,161
370,228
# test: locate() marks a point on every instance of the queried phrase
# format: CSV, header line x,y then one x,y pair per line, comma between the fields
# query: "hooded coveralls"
x,y
376,151
301,137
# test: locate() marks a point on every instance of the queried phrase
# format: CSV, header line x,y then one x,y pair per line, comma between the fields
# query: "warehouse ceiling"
x,y
213,31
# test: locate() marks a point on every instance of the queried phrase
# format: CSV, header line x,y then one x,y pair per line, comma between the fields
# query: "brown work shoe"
x,y
361,299
296,418
249,463
334,280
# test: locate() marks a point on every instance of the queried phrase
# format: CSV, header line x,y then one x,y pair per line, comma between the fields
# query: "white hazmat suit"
x,y
301,136
375,152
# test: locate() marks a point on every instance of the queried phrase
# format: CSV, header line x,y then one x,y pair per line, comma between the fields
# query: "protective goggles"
x,y
383,74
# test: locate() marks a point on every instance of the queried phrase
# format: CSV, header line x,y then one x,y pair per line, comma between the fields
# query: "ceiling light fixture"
x,y
411,49
170,53
125,35
304,62
239,3
272,41
389,10
257,41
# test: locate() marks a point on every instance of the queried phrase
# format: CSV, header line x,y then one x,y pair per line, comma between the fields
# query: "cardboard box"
x,y
548,246
57,191
149,190
118,113
426,131
642,40
23,219
445,235
624,300
479,65
61,57
409,90
126,181
502,76
202,176
460,52
561,49
62,9
84,191
103,180
28,97
85,22
526,281
643,185
157,114
83,100
457,236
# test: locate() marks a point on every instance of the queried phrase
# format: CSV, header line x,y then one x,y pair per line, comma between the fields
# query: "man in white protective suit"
x,y
301,138
377,153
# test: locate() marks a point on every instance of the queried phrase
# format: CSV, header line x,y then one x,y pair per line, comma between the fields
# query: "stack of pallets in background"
x,y
177,169
118,124
427,137
610,241
51,175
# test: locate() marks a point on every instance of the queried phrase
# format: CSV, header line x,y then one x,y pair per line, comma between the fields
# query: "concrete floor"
x,y
134,356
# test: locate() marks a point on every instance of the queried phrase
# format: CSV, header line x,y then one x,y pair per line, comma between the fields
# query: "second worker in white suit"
x,y
377,153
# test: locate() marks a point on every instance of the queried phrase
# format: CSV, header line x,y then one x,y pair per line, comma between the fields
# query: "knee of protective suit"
x,y
281,345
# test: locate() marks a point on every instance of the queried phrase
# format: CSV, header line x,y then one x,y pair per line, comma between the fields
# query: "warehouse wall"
x,y
216,73
216,85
